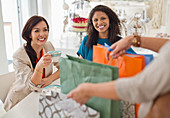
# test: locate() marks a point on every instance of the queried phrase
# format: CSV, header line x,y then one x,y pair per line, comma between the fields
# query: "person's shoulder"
x,y
48,46
19,51
86,36
85,39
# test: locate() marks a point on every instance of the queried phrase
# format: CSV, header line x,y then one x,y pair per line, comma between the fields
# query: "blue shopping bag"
x,y
148,57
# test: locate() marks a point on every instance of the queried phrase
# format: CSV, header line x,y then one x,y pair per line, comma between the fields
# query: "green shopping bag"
x,y
74,71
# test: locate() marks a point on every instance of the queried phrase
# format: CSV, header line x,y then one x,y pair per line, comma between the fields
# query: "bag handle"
x,y
117,61
111,60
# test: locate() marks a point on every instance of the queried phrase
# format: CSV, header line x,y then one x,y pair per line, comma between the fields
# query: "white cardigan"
x,y
153,81
23,72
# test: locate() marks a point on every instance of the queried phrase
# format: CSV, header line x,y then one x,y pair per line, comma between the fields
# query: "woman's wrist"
x,y
38,70
129,39
87,89
136,41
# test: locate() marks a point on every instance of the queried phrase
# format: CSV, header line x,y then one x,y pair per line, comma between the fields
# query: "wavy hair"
x,y
26,32
114,26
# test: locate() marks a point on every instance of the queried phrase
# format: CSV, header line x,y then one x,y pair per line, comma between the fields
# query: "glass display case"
x,y
136,25
78,17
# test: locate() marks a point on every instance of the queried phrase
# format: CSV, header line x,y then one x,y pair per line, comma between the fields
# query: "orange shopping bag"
x,y
128,64
99,54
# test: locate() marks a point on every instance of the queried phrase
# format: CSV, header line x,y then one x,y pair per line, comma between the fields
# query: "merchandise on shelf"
x,y
163,35
79,24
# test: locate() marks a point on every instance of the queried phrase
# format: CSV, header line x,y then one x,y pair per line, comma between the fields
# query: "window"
x,y
11,28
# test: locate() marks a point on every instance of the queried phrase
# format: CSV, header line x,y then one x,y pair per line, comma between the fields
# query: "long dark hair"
x,y
26,32
114,27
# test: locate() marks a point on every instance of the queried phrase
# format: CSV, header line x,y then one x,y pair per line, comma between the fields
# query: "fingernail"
x,y
111,54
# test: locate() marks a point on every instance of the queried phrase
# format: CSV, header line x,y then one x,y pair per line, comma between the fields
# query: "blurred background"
x,y
152,17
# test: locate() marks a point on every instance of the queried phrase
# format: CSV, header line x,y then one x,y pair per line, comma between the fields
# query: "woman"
x,y
143,88
103,28
32,63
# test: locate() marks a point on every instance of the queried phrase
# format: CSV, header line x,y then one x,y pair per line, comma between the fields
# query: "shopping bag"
x,y
99,55
56,105
74,71
129,64
148,57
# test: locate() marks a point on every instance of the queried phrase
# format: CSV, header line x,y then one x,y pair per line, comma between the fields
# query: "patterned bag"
x,y
57,105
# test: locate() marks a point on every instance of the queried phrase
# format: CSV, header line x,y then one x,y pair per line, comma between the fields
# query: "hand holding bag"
x,y
129,64
74,71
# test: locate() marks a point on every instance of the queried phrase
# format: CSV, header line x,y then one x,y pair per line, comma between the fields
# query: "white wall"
x,y
165,28
168,17
44,10
3,56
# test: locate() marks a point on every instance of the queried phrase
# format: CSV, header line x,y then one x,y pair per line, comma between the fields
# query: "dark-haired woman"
x,y
103,28
32,63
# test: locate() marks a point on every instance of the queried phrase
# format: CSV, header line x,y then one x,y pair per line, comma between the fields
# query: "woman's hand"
x,y
120,46
80,94
46,81
44,61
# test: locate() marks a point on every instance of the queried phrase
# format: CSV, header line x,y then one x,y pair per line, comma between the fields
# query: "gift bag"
x,y
128,64
56,105
74,71
148,58
99,55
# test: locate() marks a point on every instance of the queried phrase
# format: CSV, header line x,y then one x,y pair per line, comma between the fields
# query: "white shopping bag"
x,y
57,105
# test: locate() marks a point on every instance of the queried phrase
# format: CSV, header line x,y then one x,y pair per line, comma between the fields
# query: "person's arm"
x,y
23,70
151,43
38,71
47,81
103,90
143,87
87,90
153,81
81,51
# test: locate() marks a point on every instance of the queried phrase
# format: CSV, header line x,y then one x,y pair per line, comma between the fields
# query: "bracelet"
x,y
136,41
39,85
38,71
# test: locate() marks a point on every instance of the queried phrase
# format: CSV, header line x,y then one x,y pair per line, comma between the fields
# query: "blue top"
x,y
87,53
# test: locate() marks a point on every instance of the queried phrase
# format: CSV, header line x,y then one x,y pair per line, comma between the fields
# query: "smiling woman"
x,y
32,63
103,28
39,34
